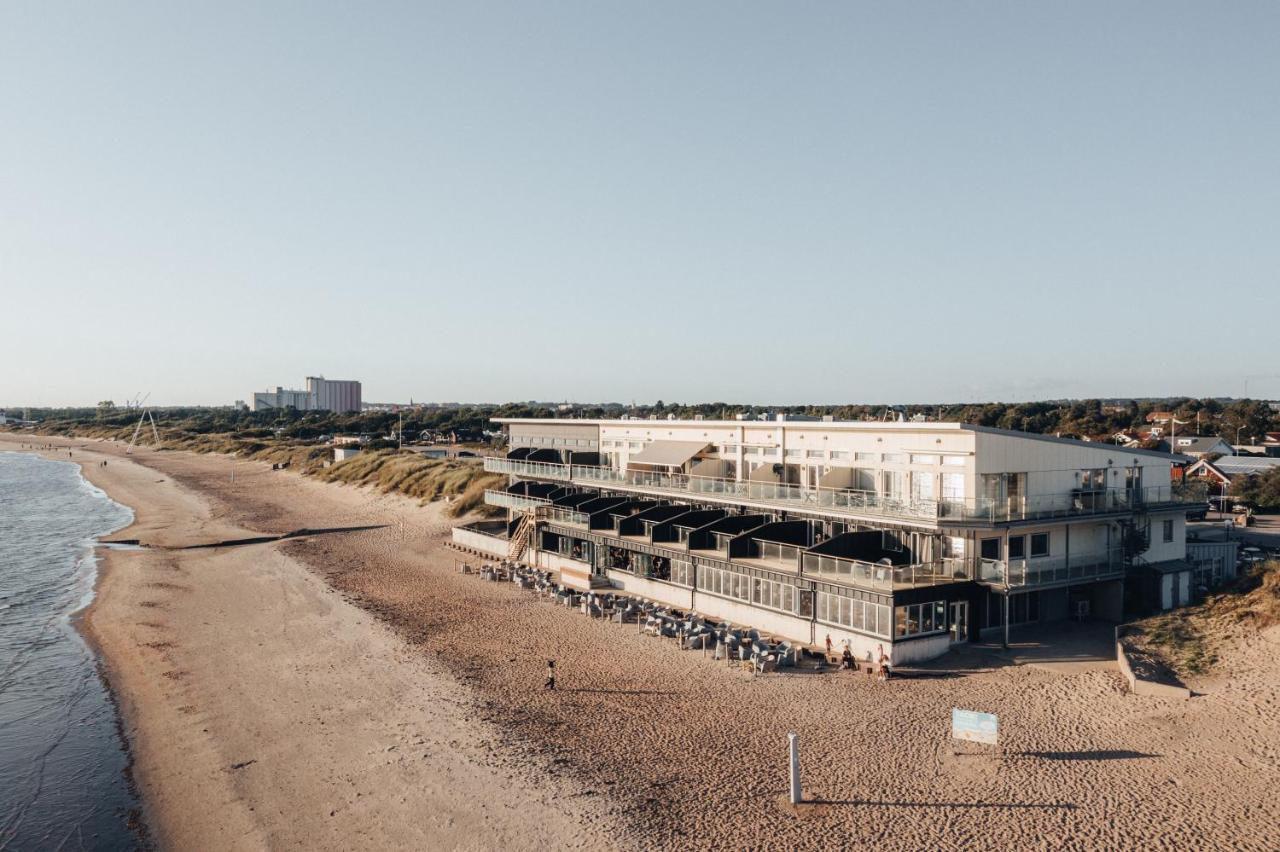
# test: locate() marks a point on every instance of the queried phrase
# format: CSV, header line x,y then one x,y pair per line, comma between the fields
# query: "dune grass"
x,y
1188,639
460,481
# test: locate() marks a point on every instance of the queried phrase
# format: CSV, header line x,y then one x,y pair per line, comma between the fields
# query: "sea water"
x,y
63,762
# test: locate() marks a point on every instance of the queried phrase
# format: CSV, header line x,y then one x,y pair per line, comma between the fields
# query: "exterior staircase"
x,y
520,538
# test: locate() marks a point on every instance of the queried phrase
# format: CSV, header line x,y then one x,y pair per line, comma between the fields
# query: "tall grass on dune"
x,y
389,471
1188,640
461,481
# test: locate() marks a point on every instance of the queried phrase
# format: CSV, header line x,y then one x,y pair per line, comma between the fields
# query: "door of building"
x,y
959,622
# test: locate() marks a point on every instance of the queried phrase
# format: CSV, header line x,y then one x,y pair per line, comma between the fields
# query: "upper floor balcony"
x,y
855,503
1052,570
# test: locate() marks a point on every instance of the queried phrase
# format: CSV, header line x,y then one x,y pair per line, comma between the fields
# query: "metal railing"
x,y
507,500
855,572
1052,569
563,515
537,470
855,502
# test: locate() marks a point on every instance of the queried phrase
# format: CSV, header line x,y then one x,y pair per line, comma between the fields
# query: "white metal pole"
x,y
794,743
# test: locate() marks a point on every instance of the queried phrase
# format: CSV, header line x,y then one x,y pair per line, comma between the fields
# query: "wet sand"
x,y
356,674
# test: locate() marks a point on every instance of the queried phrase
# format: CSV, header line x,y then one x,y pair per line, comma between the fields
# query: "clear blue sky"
x,y
780,203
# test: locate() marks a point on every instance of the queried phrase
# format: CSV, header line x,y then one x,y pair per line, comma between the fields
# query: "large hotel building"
x,y
910,535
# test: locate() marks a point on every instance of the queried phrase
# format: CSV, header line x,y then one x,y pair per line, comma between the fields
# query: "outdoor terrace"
x,y
851,502
1053,570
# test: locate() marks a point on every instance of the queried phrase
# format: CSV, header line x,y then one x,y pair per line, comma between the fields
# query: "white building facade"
x,y
914,536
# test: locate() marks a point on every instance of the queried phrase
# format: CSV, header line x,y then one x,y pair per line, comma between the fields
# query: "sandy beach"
x,y
351,690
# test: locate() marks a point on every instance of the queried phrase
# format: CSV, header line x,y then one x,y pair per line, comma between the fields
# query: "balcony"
x,y
854,572
519,502
547,511
840,501
533,470
1049,570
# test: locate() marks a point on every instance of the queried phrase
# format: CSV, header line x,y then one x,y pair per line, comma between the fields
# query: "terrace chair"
x,y
766,664
786,654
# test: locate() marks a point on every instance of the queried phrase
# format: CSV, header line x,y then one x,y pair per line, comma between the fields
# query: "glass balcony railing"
x,y
507,500
534,470
855,572
564,515
1052,569
546,510
852,502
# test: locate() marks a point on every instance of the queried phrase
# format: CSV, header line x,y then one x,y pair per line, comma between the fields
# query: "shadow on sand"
x,y
1049,806
1097,754
618,691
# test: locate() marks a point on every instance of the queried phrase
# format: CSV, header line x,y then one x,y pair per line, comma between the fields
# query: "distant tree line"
x,y
1091,418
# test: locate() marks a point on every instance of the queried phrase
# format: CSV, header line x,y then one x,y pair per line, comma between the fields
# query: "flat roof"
x,y
851,426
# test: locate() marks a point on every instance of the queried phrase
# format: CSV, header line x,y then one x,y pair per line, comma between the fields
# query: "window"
x,y
889,541
813,454
854,613
893,458
865,457
954,461
794,454
1017,547
752,451
730,449
922,486
634,445
1094,479
991,548
918,619
923,459
953,486
1039,544
1168,531
839,455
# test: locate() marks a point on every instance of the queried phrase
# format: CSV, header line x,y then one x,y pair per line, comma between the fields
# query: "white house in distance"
x,y
914,536
1198,447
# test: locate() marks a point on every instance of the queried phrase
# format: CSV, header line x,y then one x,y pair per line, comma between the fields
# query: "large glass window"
x,y
1017,547
953,486
1039,544
919,619
856,614
922,485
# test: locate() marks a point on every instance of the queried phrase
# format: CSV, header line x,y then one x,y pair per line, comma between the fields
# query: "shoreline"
x,y
174,782
644,744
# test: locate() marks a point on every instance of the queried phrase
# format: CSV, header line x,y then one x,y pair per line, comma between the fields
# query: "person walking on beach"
x,y
551,675
884,663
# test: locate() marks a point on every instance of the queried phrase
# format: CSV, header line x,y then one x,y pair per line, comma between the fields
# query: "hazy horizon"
x,y
838,202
